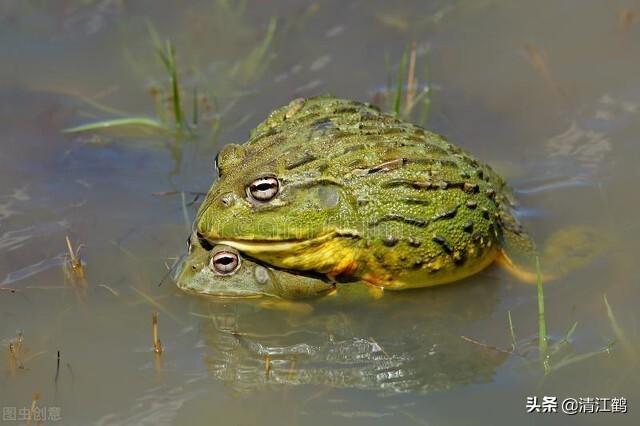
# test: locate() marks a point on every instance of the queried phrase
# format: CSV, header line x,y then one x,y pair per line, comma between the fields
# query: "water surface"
x,y
546,91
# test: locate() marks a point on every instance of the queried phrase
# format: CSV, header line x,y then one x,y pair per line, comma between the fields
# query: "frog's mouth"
x,y
266,246
291,245
224,295
333,253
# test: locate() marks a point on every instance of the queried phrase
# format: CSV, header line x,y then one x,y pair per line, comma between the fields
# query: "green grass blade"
x,y
194,114
543,344
168,58
101,107
617,330
256,61
144,125
263,48
400,83
175,89
567,337
566,340
582,357
153,34
511,330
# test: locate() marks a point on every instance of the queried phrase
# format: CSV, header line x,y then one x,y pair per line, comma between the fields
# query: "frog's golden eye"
x,y
263,189
224,262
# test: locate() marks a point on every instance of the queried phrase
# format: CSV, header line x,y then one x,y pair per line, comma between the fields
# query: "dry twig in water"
x,y
15,353
74,262
32,411
55,380
267,366
485,346
157,345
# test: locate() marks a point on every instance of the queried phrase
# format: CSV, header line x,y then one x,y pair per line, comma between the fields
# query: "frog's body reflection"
x,y
400,343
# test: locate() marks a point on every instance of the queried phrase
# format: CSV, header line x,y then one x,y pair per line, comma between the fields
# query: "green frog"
x,y
222,271
336,187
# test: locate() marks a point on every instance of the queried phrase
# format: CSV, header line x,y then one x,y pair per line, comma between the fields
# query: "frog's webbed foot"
x,y
374,291
564,251
572,248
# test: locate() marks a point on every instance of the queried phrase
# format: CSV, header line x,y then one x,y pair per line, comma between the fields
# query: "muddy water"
x,y
547,92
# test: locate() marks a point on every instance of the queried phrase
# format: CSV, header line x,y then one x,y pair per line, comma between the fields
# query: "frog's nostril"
x,y
227,199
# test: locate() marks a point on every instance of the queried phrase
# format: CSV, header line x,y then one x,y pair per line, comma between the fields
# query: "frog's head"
x,y
266,197
223,272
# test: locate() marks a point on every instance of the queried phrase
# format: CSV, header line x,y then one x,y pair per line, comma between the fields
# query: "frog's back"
x,y
423,211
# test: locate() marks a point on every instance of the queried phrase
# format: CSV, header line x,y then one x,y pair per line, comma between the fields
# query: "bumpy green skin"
x,y
363,195
248,281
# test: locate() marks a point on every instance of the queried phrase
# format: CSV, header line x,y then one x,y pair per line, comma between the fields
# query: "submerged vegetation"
x,y
543,343
551,355
404,94
171,117
15,353
74,264
188,104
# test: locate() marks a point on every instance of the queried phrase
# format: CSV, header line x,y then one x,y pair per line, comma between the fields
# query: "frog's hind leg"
x,y
564,251
525,275
518,256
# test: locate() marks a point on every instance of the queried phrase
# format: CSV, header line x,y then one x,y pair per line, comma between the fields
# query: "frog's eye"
x,y
263,189
224,262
